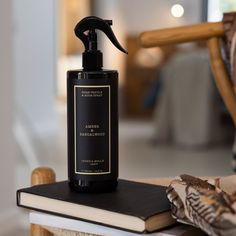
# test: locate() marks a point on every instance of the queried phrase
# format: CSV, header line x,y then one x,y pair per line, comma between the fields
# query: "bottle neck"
x,y
92,60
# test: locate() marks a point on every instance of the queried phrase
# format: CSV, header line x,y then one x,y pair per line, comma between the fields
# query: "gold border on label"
x,y
93,86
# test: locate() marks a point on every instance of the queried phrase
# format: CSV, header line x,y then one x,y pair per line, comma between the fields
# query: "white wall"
x,y
7,144
141,15
35,62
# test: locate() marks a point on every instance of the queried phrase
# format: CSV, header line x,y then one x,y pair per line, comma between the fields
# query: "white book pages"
x,y
81,226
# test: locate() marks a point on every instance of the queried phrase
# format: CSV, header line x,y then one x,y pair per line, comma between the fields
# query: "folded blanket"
x,y
207,204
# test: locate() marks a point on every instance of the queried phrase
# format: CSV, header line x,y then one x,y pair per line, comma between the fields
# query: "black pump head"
x,y
92,58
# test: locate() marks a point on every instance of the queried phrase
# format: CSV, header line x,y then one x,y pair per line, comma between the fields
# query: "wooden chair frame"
x,y
211,32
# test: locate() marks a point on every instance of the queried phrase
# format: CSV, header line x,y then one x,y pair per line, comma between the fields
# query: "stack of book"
x,y
133,209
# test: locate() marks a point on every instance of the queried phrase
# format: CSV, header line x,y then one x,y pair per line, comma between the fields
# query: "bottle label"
x,y
92,129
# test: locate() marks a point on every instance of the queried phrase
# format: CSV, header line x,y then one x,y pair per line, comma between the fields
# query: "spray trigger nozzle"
x,y
92,58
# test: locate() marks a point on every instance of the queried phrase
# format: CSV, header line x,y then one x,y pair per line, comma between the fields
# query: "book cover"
x,y
133,206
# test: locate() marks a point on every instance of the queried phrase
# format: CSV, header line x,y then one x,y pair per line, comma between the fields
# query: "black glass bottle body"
x,y
92,130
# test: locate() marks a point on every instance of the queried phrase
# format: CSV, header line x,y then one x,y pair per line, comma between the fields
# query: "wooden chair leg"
x,y
41,175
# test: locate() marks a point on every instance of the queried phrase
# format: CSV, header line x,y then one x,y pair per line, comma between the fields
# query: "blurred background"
x,y
172,119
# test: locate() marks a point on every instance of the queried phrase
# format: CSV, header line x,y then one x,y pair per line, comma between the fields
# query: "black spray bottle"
x,y
92,114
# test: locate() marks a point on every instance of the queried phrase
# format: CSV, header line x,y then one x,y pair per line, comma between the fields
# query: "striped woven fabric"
x,y
204,204
229,20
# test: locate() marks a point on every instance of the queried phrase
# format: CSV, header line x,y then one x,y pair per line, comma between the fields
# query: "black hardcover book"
x,y
133,206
